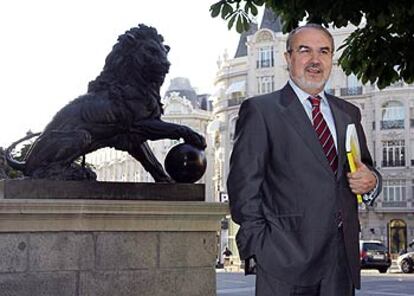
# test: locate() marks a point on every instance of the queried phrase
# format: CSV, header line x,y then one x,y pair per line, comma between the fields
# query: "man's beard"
x,y
306,84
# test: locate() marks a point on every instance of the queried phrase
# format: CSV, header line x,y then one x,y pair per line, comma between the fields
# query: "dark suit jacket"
x,y
284,194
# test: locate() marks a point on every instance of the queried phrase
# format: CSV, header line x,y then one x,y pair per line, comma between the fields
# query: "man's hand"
x,y
362,180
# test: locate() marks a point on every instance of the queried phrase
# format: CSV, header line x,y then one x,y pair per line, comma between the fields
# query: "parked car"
x,y
374,255
406,262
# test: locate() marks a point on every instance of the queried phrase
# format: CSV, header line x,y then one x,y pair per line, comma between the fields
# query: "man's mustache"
x,y
314,66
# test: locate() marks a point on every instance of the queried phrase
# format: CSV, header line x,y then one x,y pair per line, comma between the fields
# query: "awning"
x,y
239,86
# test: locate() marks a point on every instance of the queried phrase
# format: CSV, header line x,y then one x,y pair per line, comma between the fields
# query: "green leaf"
x,y
258,2
246,23
381,21
254,10
247,7
226,11
364,79
215,9
231,21
239,24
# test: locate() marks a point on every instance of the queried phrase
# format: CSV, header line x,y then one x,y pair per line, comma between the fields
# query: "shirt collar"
x,y
303,96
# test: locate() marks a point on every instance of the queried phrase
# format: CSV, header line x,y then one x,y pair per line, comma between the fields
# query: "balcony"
x,y
235,101
390,207
392,124
394,204
397,84
330,91
351,91
393,163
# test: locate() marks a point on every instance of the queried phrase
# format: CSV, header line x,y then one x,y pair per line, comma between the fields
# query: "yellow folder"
x,y
353,150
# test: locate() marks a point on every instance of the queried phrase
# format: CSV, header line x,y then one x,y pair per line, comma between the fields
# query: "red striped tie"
x,y
324,134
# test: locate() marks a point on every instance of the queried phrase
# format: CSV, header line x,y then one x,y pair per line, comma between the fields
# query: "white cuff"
x,y
369,197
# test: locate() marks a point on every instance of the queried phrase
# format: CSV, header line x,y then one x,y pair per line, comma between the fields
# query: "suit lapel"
x,y
342,119
296,115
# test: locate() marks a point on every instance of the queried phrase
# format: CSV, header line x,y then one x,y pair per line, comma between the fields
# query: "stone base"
x,y
49,189
107,263
108,248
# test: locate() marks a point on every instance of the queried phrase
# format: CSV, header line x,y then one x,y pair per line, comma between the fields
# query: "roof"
x,y
242,47
269,21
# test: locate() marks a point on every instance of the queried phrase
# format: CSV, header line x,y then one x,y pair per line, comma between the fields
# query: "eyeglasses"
x,y
305,51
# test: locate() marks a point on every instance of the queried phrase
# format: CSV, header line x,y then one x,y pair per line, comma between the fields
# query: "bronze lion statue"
x,y
122,109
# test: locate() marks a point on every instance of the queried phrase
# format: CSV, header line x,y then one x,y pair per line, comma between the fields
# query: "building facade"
x,y
259,67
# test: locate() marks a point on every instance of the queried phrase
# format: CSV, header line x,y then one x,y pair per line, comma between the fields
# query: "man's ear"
x,y
287,58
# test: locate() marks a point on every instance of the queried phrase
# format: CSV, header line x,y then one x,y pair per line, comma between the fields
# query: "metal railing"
x,y
392,124
394,204
235,101
351,91
393,163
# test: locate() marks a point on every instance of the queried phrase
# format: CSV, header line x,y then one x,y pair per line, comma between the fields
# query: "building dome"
x,y
182,86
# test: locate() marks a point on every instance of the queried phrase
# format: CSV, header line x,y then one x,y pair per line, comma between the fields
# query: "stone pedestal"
x,y
108,247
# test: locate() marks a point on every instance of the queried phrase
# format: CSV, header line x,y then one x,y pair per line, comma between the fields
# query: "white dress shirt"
x,y
325,109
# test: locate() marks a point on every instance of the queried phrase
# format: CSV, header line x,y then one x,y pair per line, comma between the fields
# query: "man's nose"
x,y
315,56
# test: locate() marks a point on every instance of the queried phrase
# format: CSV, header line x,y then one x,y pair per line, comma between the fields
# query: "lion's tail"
x,y
15,164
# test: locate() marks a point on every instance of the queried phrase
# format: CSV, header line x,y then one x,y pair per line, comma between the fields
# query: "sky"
x,y
50,50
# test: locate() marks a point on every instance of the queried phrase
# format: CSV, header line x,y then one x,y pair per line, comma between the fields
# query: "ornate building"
x,y
388,118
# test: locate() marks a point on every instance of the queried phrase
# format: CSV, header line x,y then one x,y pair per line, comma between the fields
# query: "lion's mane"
x,y
135,69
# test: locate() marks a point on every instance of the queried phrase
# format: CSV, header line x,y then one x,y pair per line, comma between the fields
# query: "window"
x,y
412,189
393,153
392,115
394,190
265,84
352,81
411,117
353,88
265,58
394,193
236,93
374,152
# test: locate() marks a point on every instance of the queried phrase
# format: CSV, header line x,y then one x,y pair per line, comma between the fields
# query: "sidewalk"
x,y
393,268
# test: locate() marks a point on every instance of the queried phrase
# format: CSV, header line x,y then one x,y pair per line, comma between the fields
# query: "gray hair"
x,y
312,26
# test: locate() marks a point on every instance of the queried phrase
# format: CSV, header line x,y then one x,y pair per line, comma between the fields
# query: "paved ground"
x,y
390,284
373,284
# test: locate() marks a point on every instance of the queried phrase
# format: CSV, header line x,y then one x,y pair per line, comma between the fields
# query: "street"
x,y
373,284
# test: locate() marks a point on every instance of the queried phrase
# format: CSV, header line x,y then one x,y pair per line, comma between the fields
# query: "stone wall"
x,y
78,248
107,263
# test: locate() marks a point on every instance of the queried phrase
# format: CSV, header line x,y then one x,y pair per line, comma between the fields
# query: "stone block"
x,y
61,251
122,283
188,282
48,189
38,284
13,252
187,249
126,250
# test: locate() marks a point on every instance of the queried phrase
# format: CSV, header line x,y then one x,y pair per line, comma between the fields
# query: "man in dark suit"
x,y
289,185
